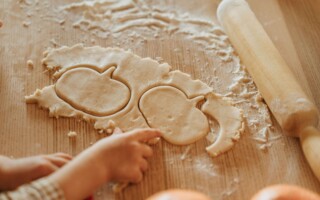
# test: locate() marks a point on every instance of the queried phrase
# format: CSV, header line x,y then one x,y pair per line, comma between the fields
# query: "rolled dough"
x,y
103,84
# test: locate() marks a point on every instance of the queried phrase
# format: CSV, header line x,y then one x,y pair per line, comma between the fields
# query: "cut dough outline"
x,y
194,101
101,71
58,71
77,107
164,85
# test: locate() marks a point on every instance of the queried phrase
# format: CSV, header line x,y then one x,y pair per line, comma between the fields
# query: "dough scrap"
x,y
229,119
146,80
168,109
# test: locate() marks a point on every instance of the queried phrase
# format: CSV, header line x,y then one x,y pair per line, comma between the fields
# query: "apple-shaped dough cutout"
x,y
168,109
91,92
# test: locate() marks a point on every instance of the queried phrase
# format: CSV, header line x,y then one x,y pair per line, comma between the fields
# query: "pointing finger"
x,y
144,135
59,162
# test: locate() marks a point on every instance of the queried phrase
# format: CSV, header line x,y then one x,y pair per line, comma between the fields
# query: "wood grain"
x,y
26,130
303,22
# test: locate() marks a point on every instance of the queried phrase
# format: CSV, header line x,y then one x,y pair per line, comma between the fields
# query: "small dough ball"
x,y
111,126
285,192
178,194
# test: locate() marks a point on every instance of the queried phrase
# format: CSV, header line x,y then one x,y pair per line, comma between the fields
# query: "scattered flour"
x,y
185,153
232,188
105,18
203,167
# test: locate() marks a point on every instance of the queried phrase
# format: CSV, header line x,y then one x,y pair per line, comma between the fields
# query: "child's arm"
x,y
120,157
16,172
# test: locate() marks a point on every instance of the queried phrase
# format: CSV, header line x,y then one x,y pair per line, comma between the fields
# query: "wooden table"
x,y
25,130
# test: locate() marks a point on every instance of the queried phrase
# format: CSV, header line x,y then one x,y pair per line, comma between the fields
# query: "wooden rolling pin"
x,y
296,114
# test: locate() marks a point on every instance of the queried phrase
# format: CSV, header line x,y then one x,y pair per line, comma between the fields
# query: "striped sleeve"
x,y
41,189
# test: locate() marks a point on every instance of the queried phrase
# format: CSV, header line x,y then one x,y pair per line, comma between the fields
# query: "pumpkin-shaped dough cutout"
x,y
168,109
91,92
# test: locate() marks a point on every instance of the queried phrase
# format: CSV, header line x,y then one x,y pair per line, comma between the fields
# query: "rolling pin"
x,y
294,111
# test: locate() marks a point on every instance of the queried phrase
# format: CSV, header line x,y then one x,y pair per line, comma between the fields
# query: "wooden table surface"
x,y
25,130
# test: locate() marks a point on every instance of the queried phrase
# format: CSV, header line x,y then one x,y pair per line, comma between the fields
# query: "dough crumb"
x,y
26,24
110,127
54,43
109,131
37,93
264,147
1,23
258,98
72,134
30,64
61,22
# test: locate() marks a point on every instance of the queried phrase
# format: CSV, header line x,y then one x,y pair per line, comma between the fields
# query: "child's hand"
x,y
120,157
15,172
125,154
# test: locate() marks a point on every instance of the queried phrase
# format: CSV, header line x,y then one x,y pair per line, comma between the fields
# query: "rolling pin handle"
x,y
310,142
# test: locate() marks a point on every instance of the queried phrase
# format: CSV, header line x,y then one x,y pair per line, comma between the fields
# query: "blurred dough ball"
x,y
177,194
285,192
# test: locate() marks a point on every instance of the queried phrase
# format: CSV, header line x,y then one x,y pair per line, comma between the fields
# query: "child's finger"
x,y
136,176
143,165
63,155
146,151
144,135
57,161
45,168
